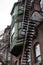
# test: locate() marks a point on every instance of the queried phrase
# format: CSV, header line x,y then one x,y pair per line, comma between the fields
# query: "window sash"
x,y
38,59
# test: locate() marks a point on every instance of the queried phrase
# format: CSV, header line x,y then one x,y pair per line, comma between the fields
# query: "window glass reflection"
x,y
37,53
41,4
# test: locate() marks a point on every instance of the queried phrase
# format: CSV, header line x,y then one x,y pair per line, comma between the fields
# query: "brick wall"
x,y
40,40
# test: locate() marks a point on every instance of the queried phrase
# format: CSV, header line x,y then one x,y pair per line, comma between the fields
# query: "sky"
x,y
5,9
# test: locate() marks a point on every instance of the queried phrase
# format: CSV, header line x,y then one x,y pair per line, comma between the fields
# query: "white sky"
x,y
5,9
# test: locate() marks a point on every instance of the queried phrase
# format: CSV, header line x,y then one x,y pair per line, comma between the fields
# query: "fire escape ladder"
x,y
29,29
25,29
31,32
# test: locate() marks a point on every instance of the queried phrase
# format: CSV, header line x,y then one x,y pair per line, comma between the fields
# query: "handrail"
x,y
25,34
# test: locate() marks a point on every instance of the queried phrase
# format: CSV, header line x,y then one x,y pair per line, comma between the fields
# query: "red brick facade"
x,y
39,38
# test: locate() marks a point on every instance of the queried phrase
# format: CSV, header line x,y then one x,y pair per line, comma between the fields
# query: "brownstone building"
x,y
27,33
5,56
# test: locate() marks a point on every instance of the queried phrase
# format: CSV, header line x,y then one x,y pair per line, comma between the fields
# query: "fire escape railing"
x,y
29,29
26,23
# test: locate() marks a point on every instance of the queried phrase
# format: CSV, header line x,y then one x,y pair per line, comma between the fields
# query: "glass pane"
x,y
20,24
38,59
13,30
37,50
15,10
41,3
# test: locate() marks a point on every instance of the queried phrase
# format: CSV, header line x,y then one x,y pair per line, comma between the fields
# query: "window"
x,y
37,53
41,4
20,25
15,10
21,33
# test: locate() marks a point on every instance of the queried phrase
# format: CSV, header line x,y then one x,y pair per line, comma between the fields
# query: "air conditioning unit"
x,y
37,64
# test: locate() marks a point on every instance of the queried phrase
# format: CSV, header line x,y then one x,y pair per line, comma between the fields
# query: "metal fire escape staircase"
x,y
29,29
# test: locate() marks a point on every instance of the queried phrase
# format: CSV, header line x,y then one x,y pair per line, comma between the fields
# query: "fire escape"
x,y
29,30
